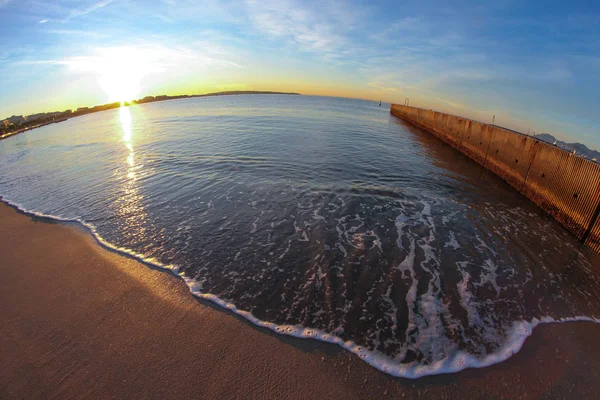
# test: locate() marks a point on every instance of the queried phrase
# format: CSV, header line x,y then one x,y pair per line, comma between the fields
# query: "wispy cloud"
x,y
87,10
378,85
77,33
312,29
404,26
224,11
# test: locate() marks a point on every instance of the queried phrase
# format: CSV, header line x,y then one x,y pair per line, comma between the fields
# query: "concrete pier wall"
x,y
563,184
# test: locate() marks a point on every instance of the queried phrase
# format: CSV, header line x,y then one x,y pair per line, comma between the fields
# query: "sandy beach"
x,y
79,321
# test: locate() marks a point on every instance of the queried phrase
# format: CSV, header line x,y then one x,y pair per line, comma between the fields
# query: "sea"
x,y
315,217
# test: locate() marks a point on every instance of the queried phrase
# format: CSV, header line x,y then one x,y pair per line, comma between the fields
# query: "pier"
x,y
563,184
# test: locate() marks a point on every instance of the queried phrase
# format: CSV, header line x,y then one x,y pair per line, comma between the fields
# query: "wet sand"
x,y
79,321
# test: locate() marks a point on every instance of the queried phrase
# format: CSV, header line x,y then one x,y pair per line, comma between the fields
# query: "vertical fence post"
x,y
592,224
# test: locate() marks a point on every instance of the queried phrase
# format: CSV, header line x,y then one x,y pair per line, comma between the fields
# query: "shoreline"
x,y
145,100
22,130
460,361
60,287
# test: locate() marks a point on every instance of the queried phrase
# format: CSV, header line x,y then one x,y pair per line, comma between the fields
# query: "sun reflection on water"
x,y
125,118
130,203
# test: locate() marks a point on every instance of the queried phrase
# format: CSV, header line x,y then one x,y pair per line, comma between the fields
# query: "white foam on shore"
x,y
457,361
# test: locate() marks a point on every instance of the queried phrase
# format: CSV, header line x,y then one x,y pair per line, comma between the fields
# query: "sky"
x,y
534,65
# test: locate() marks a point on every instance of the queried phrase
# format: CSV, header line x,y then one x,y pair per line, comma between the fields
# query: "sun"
x,y
120,72
120,84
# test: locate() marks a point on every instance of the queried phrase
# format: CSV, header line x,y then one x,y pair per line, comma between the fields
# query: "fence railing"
x,y
561,183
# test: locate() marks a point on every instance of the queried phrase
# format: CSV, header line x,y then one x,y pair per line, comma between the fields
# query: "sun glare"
x,y
120,74
120,86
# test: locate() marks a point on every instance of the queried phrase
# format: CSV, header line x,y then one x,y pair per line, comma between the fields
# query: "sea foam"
x,y
455,362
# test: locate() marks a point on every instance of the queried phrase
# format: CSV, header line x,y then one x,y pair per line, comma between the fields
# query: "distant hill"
x,y
580,149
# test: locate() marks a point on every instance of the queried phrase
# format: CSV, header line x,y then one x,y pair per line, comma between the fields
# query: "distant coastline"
x,y
18,123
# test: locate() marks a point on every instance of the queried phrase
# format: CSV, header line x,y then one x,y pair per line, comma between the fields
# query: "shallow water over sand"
x,y
319,213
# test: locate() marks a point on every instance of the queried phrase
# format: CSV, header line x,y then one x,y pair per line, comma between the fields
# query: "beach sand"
x,y
79,321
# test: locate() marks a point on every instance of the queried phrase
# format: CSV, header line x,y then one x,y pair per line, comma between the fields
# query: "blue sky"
x,y
535,65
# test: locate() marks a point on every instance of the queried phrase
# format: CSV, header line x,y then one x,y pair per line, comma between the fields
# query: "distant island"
x,y
21,123
579,148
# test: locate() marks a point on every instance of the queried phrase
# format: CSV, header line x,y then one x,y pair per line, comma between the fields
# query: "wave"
x,y
457,361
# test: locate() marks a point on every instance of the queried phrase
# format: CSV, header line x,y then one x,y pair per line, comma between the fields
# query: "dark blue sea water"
x,y
316,217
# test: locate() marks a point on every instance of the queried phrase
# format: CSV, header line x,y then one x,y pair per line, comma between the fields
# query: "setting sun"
x,y
120,73
120,86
